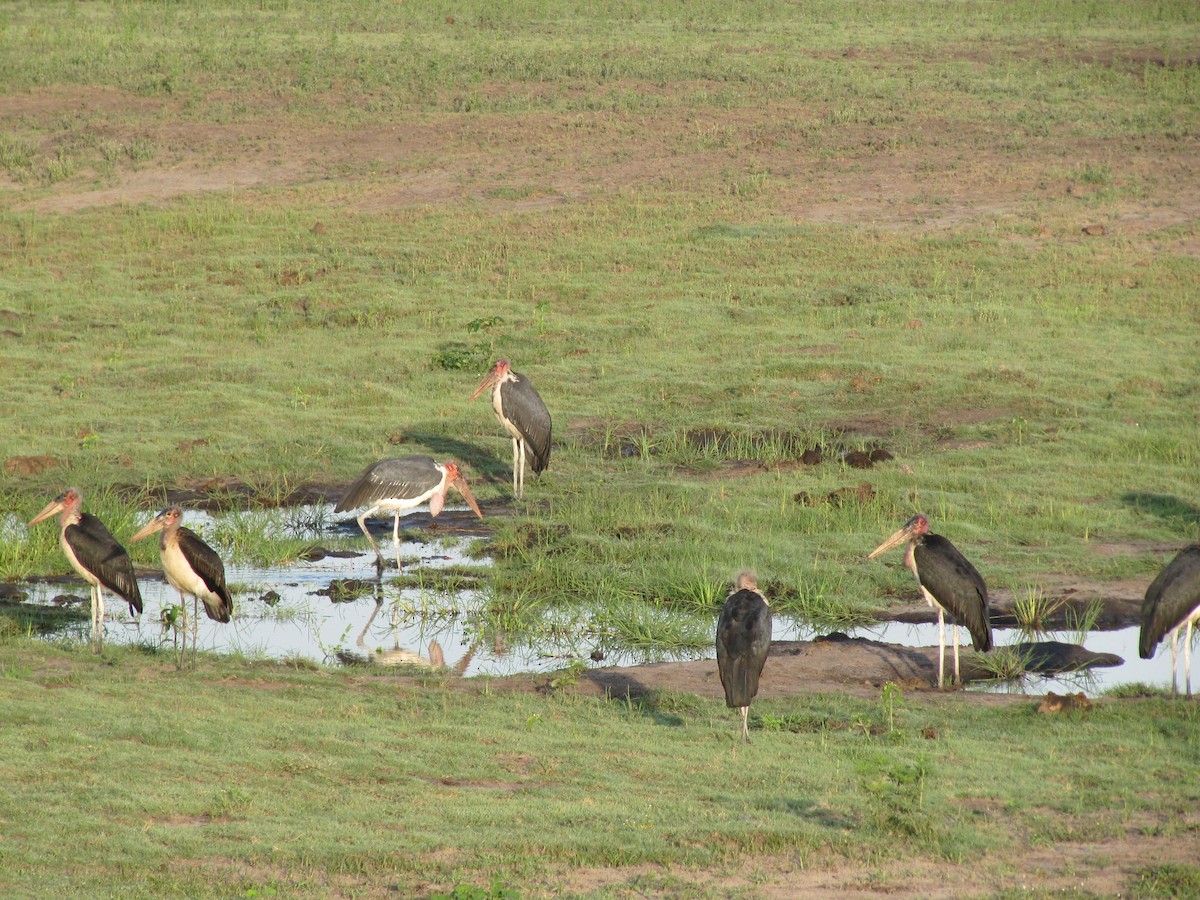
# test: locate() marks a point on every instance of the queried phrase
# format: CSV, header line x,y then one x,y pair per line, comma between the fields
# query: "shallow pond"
x,y
286,612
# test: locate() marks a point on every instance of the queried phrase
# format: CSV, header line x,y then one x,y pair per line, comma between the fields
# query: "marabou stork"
x,y
95,554
398,485
743,639
524,416
950,585
1173,600
192,567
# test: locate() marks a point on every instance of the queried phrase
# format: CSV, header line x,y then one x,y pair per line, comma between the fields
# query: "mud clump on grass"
x,y
1058,703
736,450
29,465
861,493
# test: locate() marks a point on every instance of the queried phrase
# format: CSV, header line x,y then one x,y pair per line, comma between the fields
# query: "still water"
x,y
389,625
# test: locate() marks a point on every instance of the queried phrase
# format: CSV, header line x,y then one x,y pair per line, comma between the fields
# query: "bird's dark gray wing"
x,y
957,586
1171,598
743,641
523,407
96,548
391,479
205,563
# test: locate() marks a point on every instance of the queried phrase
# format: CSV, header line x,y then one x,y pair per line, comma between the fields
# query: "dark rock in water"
x,y
270,598
346,590
832,636
1057,657
317,552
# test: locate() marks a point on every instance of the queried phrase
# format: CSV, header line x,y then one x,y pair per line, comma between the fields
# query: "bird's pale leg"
x,y
941,646
195,626
362,523
1174,663
957,677
100,617
95,630
745,710
1187,659
521,443
396,540
516,466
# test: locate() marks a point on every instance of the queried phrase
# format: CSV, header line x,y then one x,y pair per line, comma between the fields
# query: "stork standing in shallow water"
x,y
192,567
398,485
743,641
949,583
1172,605
524,416
95,554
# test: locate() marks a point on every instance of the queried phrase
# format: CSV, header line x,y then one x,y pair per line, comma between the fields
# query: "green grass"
x,y
250,777
277,242
286,334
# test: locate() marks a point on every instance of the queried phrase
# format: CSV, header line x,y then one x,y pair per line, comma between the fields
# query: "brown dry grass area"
x,y
1091,868
921,174
1094,868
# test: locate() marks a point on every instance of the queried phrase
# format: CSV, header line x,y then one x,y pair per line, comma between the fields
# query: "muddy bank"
x,y
839,664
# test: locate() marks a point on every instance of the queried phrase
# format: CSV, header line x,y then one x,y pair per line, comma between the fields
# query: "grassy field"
x,y
124,777
268,245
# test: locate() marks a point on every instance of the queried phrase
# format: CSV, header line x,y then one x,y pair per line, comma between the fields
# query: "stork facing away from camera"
x,y
743,641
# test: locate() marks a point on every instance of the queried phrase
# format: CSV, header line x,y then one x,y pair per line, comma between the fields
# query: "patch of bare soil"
x,y
915,175
836,664
1101,868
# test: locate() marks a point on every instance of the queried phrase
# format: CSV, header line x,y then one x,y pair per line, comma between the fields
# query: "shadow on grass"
x,y
662,708
1164,506
812,811
493,467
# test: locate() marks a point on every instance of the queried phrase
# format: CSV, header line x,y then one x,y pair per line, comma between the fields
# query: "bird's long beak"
x,y
155,524
485,384
54,506
460,485
896,539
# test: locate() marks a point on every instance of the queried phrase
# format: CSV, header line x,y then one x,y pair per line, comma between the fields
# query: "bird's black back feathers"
x,y
956,585
96,548
523,406
205,563
743,640
402,478
1171,599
